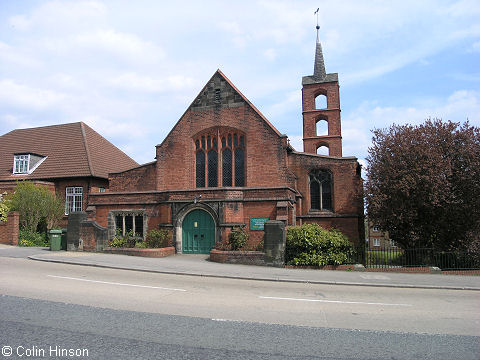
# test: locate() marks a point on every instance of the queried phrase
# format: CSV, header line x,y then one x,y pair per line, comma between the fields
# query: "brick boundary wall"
x,y
9,229
157,252
238,257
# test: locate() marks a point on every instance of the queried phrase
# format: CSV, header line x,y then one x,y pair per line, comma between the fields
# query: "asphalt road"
x,y
125,314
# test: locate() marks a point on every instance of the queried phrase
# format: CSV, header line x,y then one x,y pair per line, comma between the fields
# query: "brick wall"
x,y
9,229
142,178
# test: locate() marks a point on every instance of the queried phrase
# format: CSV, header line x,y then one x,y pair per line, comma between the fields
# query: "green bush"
x,y
310,244
30,238
237,238
4,208
157,238
119,241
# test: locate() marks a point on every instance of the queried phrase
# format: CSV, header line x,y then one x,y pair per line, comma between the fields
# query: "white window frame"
x,y
73,199
21,164
376,242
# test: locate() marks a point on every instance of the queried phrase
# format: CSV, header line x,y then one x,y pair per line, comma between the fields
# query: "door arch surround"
x,y
184,219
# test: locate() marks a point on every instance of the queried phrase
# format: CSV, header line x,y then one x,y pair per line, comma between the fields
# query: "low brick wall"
x,y
9,229
325,267
159,252
238,257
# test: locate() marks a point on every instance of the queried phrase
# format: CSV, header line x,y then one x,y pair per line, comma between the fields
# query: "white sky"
x,y
129,69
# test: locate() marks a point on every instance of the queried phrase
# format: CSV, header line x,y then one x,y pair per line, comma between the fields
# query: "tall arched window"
x,y
220,149
227,167
212,168
321,190
239,167
200,166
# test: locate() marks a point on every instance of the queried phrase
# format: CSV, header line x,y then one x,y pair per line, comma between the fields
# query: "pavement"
x,y
199,265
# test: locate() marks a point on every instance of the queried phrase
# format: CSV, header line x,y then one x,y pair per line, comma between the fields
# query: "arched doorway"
x,y
198,232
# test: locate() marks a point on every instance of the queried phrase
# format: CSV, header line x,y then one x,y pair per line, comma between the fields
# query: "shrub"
x,y
158,238
4,208
120,241
310,244
31,238
238,238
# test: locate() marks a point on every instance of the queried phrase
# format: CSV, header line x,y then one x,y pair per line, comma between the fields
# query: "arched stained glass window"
x,y
200,168
227,167
220,158
212,169
321,190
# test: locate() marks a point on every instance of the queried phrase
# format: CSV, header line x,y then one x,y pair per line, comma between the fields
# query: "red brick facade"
x,y
254,173
9,229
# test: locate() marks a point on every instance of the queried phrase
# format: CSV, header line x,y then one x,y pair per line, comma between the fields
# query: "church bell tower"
x,y
321,84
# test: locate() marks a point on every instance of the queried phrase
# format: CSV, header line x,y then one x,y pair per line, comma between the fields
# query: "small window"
x,y
130,222
376,228
218,97
73,199
393,243
102,190
376,242
21,164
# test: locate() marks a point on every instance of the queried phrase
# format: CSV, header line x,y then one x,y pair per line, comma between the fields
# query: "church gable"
x,y
218,93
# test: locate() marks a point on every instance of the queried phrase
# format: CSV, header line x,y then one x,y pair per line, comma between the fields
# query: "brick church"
x,y
224,164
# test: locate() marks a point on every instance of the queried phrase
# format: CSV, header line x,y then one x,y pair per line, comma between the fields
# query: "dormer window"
x,y
20,165
26,163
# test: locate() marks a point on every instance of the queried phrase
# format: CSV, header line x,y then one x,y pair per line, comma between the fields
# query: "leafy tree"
x,y
423,184
36,204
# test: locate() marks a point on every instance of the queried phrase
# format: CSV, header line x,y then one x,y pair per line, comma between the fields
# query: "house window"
x,y
321,190
220,155
376,228
393,243
20,165
130,222
73,199
376,242
26,163
102,190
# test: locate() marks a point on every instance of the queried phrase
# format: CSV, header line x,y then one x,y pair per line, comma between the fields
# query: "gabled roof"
x,y
72,150
243,98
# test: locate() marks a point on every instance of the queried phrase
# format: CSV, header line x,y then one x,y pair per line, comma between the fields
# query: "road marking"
x,y
332,301
114,283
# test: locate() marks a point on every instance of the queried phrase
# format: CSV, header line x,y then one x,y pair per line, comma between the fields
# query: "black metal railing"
x,y
397,257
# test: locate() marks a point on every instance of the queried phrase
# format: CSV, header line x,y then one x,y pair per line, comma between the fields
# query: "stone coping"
x,y
157,252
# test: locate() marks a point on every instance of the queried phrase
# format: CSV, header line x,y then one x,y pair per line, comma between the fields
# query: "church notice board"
x,y
258,223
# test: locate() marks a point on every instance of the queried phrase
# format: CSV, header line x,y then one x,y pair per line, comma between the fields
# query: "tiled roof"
x,y
72,150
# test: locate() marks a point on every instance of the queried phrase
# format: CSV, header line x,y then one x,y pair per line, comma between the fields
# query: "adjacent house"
x,y
71,159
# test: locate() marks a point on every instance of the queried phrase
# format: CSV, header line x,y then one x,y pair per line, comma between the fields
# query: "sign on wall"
x,y
258,223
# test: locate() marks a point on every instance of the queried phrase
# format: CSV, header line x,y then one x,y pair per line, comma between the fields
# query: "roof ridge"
x,y
86,148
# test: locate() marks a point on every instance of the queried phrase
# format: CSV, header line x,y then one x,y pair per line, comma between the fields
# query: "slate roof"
x,y
72,150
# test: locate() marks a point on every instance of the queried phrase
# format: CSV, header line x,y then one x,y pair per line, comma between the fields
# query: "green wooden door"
x,y
198,233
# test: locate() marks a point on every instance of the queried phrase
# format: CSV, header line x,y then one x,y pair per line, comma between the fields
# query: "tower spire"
x,y
319,66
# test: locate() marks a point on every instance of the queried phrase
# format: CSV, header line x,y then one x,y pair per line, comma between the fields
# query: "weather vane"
x,y
316,13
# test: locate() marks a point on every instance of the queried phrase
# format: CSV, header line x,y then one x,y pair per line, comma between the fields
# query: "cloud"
x,y
136,82
121,45
24,96
356,125
64,15
17,57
